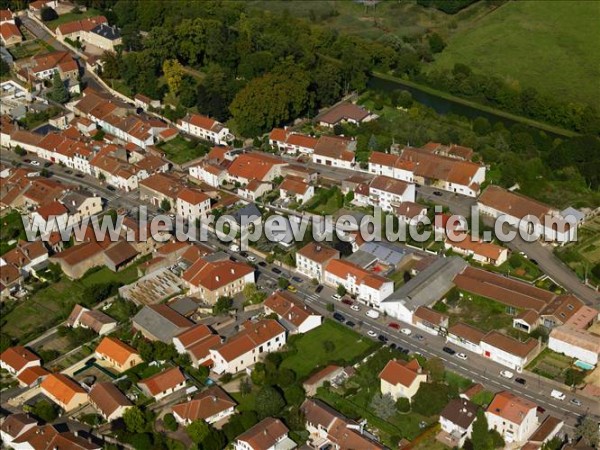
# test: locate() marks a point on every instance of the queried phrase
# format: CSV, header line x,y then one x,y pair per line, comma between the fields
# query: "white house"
x,y
248,346
205,128
254,190
402,379
293,314
192,204
290,142
508,351
465,336
210,173
335,151
296,189
369,287
480,251
164,383
575,343
513,417
527,214
389,193
50,217
255,166
312,259
211,405
410,213
456,420
16,359
268,434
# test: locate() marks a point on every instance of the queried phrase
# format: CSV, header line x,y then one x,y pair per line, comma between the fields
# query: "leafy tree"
x,y
252,294
48,14
59,91
130,35
283,283
170,422
574,377
135,420
555,443
4,68
431,398
436,43
269,402
341,290
140,441
245,386
587,430
403,405
174,72
188,91
198,430
481,439
20,150
330,307
383,405
481,126
435,367
165,205
45,411
222,305
286,377
294,395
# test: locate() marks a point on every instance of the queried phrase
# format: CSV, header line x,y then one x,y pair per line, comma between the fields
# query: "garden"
x,y
556,366
181,150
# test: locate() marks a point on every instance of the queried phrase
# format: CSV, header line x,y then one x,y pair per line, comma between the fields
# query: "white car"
x,y
372,314
355,308
372,333
506,374
35,163
251,258
462,356
406,331
336,297
234,248
558,395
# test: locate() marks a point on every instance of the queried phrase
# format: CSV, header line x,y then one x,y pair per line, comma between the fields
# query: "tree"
x,y
48,14
481,438
59,92
222,305
435,367
269,402
173,71
341,290
135,420
110,65
4,68
170,422
20,150
436,43
252,294
403,405
295,395
587,430
383,405
165,205
45,411
431,398
481,126
245,386
198,430
283,283
330,307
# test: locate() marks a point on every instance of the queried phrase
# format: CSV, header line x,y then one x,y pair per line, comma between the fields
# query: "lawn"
x,y
549,45
518,266
11,230
30,48
50,305
325,202
72,17
550,364
311,353
480,312
584,254
180,150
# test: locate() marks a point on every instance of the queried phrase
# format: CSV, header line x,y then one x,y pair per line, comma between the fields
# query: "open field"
x,y
480,312
30,48
549,45
584,254
311,353
179,150
71,17
11,229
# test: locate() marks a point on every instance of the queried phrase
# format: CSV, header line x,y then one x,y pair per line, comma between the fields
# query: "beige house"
x,y
63,391
402,379
117,354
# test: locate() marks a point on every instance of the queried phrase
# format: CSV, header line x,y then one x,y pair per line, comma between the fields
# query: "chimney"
x,y
232,271
218,278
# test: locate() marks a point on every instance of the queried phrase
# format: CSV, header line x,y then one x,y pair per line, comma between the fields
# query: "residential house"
x,y
32,376
268,434
205,128
109,401
43,67
290,142
368,287
192,204
388,193
296,189
575,343
513,417
547,430
211,405
21,432
410,213
305,173
466,336
16,425
16,359
213,279
146,103
312,259
50,217
6,16
335,151
293,314
247,347
508,351
104,36
328,374
430,320
160,323
160,188
91,319
163,384
78,29
117,354
345,112
63,391
210,173
197,342
78,259
402,379
481,252
540,219
328,428
10,34
81,204
452,150
119,255
456,420
27,257
255,166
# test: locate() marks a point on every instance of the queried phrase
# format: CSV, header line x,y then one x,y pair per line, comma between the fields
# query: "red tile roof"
x,y
214,275
204,405
115,350
17,357
254,165
342,269
288,307
192,196
265,434
253,335
163,381
61,387
318,252
32,374
510,407
401,372
8,30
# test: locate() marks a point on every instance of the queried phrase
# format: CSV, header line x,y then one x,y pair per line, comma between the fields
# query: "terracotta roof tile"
x,y
510,407
204,405
400,372
163,381
17,357
115,350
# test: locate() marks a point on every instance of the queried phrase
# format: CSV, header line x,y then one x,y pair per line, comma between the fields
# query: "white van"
x,y
558,395
234,248
372,314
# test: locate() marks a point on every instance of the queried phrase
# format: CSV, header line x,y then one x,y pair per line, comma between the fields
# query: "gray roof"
x,y
251,212
107,32
385,252
156,324
184,306
73,200
429,285
362,258
570,211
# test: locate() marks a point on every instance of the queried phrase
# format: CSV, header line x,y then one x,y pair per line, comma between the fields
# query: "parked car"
x,y
372,314
355,308
79,175
418,337
35,163
449,350
437,193
462,356
371,333
394,325
540,410
27,160
292,288
234,248
243,254
350,324
521,381
297,280
339,317
382,338
251,258
405,351
262,264
392,345
558,395
406,331
506,374
111,188
276,270
347,301
69,172
318,289
231,258
47,164
576,402
336,297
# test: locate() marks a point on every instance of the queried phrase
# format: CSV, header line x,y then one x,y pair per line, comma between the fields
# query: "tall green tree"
x,y
135,420
59,91
481,438
269,402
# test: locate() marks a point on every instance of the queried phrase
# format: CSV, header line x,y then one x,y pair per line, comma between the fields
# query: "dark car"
x,y
243,254
111,188
347,301
540,410
405,351
382,338
79,175
276,270
449,350
68,172
297,279
437,193
47,164
339,317
27,160
534,261
392,345
394,325
400,349
350,324
319,289
232,259
262,264
521,381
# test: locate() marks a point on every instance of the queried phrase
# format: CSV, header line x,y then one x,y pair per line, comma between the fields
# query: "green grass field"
x,y
30,48
71,17
311,352
179,150
549,45
11,229
584,254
